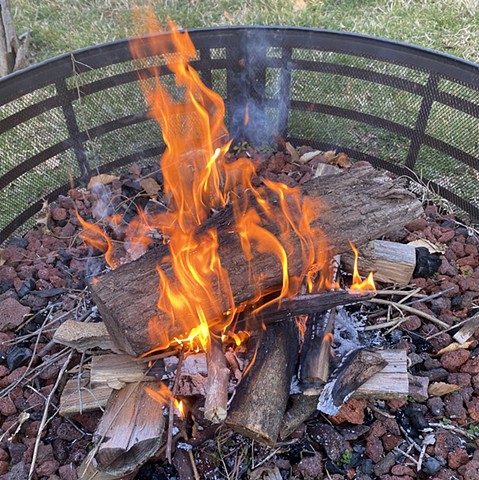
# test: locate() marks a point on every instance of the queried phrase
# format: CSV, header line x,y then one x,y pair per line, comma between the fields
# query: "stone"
x,y
452,361
460,379
12,314
374,449
329,438
446,442
471,366
436,406
457,458
431,465
47,467
7,407
4,467
454,404
68,472
352,411
402,470
418,388
473,409
308,467
385,465
391,441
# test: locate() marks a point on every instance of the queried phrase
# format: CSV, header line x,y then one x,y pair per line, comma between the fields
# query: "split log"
x,y
216,400
390,383
83,336
115,370
390,262
130,431
358,206
261,398
467,330
79,396
316,350
363,373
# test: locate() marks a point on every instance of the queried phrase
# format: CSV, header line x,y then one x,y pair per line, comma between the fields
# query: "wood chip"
x,y
452,347
438,389
151,186
292,151
103,179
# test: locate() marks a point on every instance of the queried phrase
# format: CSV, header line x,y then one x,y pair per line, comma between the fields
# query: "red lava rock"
x,y
473,409
352,411
3,454
454,404
66,431
396,404
47,467
402,470
469,260
446,442
452,361
470,470
4,371
468,284
460,379
447,236
471,367
412,323
416,225
457,248
7,407
13,377
16,451
4,467
310,467
457,458
68,472
374,448
58,213
471,249
391,441
12,313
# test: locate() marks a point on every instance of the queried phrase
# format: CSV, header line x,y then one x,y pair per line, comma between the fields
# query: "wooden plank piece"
x,y
83,336
81,397
390,262
131,429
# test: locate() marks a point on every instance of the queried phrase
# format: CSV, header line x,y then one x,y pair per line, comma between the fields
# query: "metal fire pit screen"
x,y
403,108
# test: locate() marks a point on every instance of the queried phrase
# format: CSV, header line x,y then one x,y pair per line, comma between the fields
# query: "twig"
x,y
452,327
44,417
171,413
193,465
455,429
409,309
402,452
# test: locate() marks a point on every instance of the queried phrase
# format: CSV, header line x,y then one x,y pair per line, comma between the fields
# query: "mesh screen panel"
x,y
409,110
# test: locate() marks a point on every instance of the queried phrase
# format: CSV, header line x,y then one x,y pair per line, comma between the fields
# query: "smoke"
x,y
258,93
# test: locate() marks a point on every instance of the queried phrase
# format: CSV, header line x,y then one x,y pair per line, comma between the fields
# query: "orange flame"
x,y
358,284
194,287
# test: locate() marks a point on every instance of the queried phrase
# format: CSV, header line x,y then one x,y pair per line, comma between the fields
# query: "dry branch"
x,y
362,205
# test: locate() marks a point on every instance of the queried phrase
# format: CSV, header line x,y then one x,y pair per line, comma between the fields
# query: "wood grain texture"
x,y
359,205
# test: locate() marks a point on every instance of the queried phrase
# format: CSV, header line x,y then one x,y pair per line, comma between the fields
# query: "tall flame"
x,y
194,287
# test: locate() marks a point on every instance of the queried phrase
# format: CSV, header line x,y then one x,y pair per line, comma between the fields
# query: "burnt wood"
x,y
358,205
258,406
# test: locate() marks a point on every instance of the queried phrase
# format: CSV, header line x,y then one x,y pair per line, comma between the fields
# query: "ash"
x,y
349,332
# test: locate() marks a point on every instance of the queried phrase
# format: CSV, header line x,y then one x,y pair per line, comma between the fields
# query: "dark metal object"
x,y
407,109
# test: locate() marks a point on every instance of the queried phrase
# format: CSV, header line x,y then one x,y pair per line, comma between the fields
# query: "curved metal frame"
x,y
245,78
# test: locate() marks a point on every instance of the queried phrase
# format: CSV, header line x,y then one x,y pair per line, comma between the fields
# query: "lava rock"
x,y
431,465
17,356
329,438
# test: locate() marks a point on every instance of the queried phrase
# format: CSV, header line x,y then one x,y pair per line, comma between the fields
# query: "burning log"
x,y
390,262
363,205
316,350
260,400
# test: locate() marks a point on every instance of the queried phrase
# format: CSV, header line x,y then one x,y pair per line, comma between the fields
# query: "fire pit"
x,y
387,105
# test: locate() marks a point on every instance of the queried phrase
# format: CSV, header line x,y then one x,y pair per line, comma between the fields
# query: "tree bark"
x,y
358,206
9,44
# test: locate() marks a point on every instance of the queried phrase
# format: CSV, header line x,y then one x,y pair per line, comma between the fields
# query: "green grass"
x,y
60,26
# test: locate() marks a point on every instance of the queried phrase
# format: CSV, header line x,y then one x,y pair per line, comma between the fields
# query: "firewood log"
x,y
362,205
261,398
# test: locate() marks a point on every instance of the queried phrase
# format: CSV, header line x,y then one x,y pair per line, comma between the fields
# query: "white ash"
x,y
346,332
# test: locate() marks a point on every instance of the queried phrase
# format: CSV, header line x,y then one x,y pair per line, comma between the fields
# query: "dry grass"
x,y
63,25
